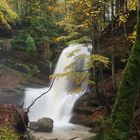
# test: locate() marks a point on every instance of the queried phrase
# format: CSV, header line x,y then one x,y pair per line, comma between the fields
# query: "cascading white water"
x,y
57,104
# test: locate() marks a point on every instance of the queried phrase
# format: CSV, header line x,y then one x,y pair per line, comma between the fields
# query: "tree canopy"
x,y
7,15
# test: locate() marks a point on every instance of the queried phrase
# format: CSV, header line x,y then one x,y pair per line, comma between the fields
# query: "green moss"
x,y
123,109
122,113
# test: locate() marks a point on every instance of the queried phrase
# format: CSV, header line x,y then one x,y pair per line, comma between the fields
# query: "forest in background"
x,y
41,29
32,30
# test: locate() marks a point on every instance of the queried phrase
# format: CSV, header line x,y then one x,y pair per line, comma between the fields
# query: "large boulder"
x,y
87,109
45,124
42,125
33,125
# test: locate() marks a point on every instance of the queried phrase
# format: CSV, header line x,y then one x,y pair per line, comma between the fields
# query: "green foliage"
x,y
37,27
93,60
19,41
79,19
7,133
83,39
76,78
124,107
105,128
73,53
2,66
96,60
31,47
7,15
32,70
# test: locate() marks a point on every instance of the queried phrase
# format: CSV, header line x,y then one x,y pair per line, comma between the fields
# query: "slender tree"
x,y
112,50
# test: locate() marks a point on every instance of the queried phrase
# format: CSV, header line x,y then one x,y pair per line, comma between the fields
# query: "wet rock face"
x,y
42,125
87,109
91,106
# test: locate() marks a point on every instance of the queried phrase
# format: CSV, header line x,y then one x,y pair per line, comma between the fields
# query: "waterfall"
x,y
58,103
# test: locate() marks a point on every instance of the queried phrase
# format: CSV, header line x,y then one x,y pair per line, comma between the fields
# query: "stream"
x,y
58,103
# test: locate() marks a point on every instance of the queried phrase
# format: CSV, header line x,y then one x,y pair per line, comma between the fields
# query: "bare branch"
x,y
28,109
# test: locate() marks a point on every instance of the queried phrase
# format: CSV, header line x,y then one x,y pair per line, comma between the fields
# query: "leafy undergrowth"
x,y
12,126
7,133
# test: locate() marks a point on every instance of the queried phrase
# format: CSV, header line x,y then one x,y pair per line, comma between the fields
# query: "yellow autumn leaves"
x,y
6,14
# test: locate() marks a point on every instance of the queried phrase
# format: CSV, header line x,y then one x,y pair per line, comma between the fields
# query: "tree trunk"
x,y
123,109
112,50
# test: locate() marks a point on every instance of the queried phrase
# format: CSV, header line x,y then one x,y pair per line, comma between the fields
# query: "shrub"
x,y
7,133
30,45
